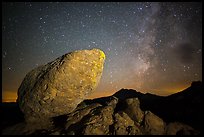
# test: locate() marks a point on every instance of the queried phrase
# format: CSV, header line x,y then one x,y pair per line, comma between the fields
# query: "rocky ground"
x,y
106,116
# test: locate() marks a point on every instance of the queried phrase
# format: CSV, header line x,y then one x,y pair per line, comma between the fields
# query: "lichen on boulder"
x,y
58,87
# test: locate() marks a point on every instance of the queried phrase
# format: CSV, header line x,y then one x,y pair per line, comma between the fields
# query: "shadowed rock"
x,y
133,109
76,116
118,116
153,124
177,128
58,87
99,121
112,102
124,125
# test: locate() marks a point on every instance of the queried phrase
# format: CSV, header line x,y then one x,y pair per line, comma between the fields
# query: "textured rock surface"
x,y
153,124
58,87
133,109
18,129
76,116
176,128
105,116
97,119
124,125
113,102
99,122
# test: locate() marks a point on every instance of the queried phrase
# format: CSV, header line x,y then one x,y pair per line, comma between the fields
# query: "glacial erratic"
x,y
58,87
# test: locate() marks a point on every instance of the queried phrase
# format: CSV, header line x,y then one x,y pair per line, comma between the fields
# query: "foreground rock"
x,y
77,115
116,115
98,121
153,124
124,125
58,87
177,128
104,119
133,109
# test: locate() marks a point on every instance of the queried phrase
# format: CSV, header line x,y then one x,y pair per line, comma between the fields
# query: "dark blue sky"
x,y
150,47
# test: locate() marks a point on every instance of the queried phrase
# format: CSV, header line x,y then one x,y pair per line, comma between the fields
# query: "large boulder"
x,y
58,87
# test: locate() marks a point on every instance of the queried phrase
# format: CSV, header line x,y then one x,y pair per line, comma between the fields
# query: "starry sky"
x,y
149,46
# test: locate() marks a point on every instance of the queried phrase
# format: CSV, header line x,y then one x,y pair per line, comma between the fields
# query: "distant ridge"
x,y
186,105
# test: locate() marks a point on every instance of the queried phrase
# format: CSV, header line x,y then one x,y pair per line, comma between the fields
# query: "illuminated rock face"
x,y
58,87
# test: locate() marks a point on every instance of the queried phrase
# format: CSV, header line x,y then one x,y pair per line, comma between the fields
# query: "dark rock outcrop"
x,y
185,106
99,121
119,116
124,125
176,128
77,115
133,109
153,124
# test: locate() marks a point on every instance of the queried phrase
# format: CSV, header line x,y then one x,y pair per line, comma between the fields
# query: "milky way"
x,y
150,47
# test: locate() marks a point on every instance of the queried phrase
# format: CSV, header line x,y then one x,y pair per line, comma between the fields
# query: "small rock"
x,y
124,125
99,121
153,125
133,109
77,115
113,101
177,128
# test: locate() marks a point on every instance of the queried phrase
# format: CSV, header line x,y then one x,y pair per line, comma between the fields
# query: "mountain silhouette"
x,y
185,106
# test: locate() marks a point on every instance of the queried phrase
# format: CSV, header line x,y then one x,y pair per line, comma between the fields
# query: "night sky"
x,y
149,47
